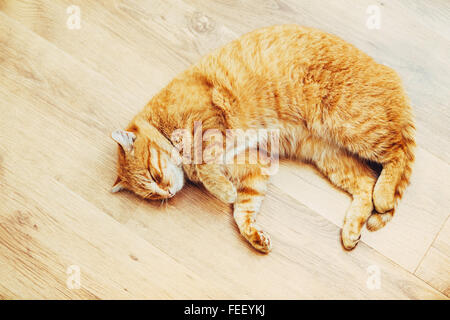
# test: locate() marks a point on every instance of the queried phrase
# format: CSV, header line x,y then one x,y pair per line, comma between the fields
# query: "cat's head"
x,y
148,164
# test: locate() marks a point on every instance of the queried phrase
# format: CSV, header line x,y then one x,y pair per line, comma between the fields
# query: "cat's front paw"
x,y
262,242
259,239
228,195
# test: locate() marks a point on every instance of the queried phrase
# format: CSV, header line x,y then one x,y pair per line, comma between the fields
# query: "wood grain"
x,y
63,91
435,267
422,211
435,270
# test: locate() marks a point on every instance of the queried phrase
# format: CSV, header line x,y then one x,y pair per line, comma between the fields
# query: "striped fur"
x,y
333,105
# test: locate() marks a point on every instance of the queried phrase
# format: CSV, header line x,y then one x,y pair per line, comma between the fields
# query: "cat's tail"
x,y
393,180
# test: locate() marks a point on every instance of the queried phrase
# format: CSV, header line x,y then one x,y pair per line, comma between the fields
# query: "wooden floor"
x,y
62,91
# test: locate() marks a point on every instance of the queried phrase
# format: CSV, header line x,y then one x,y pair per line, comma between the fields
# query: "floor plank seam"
x,y
369,246
432,242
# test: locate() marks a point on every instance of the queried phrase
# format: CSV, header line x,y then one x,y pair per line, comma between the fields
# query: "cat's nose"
x,y
171,194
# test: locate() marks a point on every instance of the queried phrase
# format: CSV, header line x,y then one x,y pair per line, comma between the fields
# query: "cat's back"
x,y
285,72
282,52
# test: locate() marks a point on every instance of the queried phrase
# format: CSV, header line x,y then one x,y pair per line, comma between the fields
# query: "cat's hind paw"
x,y
349,239
383,197
379,220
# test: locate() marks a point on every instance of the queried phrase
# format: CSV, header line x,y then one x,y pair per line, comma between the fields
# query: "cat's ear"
x,y
124,138
118,186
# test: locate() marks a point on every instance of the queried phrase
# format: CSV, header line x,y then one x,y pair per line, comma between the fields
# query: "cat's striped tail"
x,y
393,180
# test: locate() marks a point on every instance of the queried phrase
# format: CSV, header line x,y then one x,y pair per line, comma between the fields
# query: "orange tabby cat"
x,y
333,106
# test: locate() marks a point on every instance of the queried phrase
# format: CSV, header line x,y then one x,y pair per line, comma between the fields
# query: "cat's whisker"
x,y
164,201
167,203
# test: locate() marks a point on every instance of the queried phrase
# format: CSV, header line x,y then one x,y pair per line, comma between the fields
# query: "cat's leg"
x,y
384,195
397,159
393,148
251,189
214,180
350,174
390,187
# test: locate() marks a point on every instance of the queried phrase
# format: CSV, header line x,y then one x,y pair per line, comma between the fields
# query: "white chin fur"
x,y
177,178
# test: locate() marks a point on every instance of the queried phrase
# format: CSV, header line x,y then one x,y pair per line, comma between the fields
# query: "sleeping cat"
x,y
333,106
